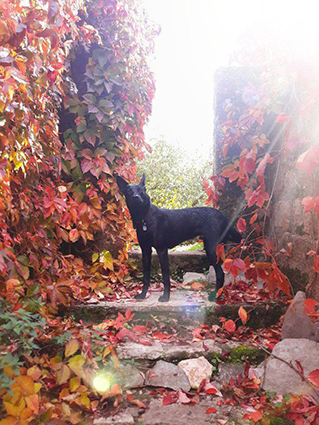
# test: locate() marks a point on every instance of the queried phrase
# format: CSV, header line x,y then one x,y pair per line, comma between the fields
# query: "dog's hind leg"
x,y
163,257
147,259
210,249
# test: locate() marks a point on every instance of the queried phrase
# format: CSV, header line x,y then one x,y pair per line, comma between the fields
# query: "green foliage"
x,y
173,179
215,360
18,331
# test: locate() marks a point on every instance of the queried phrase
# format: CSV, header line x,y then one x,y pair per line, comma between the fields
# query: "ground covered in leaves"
x,y
85,368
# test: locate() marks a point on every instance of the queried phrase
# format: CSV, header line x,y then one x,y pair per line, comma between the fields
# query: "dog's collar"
x,y
143,222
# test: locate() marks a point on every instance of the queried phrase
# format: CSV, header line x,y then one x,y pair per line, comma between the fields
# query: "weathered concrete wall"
x,y
288,222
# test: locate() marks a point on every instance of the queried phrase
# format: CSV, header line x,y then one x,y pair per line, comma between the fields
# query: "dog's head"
x,y
135,195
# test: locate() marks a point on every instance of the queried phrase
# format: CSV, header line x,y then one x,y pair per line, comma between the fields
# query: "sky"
x,y
197,37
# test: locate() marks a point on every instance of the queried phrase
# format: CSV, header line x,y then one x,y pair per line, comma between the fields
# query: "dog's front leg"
x,y
147,259
163,257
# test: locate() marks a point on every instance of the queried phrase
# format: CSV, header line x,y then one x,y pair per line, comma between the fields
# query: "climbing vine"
x,y
76,91
268,127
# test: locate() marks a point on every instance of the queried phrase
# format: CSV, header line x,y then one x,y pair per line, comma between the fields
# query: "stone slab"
x,y
190,277
184,414
296,323
122,418
181,303
129,376
158,350
280,377
167,375
196,370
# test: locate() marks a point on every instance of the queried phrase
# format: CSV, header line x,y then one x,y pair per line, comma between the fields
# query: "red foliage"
x,y
60,188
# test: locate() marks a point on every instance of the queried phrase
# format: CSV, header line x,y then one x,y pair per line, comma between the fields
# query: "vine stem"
x,y
290,365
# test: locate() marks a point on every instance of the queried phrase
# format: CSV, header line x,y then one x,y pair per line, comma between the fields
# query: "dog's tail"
x,y
232,236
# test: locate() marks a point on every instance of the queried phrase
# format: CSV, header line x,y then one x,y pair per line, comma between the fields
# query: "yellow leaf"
x,y
63,374
85,401
24,384
33,403
106,351
34,372
56,359
46,416
71,347
24,415
107,260
37,387
74,383
76,364
14,410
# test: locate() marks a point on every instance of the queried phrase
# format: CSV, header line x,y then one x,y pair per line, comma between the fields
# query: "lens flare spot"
x,y
102,383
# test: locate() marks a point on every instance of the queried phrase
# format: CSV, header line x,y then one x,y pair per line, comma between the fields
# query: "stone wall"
x,y
288,222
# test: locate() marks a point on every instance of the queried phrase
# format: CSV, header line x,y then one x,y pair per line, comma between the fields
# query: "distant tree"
x,y
173,178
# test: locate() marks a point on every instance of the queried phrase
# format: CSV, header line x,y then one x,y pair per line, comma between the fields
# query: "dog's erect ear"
x,y
142,182
122,184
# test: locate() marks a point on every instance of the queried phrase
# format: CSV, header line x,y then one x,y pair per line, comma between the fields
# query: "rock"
x,y
229,371
190,277
158,350
296,323
196,370
259,371
195,349
184,414
281,378
129,376
167,375
130,350
122,418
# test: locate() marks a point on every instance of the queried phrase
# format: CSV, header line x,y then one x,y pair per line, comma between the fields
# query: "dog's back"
x,y
171,227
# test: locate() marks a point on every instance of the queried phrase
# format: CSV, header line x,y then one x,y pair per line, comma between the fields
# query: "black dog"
x,y
163,229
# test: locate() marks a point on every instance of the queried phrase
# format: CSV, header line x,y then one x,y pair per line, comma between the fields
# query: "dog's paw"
x,y
212,296
140,296
163,298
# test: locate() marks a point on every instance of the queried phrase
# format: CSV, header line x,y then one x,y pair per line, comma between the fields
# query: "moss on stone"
x,y
251,354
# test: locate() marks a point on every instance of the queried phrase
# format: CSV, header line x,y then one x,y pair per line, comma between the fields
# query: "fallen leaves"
x,y
242,313
313,377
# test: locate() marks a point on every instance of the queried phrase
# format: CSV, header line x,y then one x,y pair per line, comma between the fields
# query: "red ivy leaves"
x,y
310,203
241,225
234,266
314,377
309,160
282,118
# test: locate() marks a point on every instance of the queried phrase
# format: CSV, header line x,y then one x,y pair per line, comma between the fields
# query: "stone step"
x,y
177,414
180,262
185,305
171,351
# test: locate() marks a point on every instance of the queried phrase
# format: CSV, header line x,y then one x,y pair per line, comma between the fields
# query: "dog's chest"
x,y
145,234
